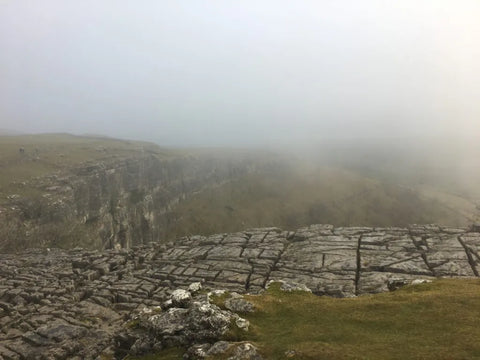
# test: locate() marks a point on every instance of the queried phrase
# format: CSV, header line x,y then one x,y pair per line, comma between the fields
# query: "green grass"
x,y
219,300
428,321
438,320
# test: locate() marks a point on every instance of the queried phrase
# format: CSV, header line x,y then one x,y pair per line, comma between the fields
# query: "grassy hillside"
x,y
374,183
428,321
290,198
442,169
52,153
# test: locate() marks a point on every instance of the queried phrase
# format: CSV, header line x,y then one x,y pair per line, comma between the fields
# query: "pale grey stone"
x,y
181,298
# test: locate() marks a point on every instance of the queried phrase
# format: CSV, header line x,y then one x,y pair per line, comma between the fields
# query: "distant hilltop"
x,y
10,132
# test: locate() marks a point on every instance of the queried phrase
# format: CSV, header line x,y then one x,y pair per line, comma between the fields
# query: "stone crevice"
x,y
471,261
274,265
247,282
358,263
422,251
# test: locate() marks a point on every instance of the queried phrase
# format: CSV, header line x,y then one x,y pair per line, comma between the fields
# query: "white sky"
x,y
204,72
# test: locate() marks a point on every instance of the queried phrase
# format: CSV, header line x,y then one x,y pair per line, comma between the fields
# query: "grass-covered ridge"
x,y
438,320
26,156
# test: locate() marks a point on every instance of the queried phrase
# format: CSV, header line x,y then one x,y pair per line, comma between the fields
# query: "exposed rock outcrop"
x,y
197,324
61,304
238,304
114,203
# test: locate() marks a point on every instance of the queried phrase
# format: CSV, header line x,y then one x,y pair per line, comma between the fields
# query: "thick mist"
x,y
210,73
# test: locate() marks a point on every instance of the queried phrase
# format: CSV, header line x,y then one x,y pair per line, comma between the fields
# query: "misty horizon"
x,y
217,74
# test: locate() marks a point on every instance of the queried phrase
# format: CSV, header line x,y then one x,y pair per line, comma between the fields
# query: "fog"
x,y
216,73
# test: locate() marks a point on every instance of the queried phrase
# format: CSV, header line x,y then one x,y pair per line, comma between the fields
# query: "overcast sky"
x,y
204,72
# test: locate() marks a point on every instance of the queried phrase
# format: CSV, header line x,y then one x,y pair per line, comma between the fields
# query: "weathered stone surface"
x,y
245,351
195,287
219,347
197,325
290,286
239,305
56,301
197,351
241,323
181,298
119,201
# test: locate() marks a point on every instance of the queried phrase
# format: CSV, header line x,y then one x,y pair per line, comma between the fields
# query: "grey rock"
x,y
35,339
141,346
420,281
7,308
242,323
239,305
61,332
290,286
220,347
170,322
195,287
8,354
245,351
181,298
197,351
199,323
475,228
396,283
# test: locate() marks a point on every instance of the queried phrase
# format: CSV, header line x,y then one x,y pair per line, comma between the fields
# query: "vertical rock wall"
x,y
114,204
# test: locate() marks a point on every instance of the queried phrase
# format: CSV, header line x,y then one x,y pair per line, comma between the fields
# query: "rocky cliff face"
x,y
111,204
60,304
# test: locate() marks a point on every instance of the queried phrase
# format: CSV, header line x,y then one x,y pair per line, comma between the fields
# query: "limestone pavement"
x,y
57,304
